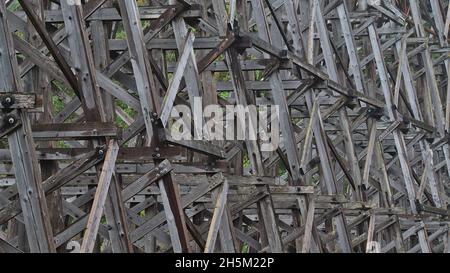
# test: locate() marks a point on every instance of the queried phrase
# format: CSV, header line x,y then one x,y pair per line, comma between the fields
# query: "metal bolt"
x,y
11,120
8,100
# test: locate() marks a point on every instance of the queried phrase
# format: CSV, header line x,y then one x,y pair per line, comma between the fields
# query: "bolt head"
x,y
11,120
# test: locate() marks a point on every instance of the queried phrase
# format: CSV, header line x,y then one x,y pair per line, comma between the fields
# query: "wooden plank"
x,y
270,225
82,61
364,125
141,66
100,198
172,91
87,130
186,200
216,220
179,240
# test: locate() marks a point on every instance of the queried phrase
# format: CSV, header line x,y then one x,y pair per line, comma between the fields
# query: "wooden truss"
x,y
87,88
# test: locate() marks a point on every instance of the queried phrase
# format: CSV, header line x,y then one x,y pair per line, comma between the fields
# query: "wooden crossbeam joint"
x,y
9,123
9,105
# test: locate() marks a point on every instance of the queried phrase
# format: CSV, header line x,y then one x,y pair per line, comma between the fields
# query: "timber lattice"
x,y
86,164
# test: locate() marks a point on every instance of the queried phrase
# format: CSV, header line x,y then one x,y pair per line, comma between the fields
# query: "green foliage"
x,y
120,33
58,104
224,95
258,75
171,56
61,144
282,169
14,6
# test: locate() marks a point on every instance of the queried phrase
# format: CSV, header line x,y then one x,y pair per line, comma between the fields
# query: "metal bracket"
x,y
9,123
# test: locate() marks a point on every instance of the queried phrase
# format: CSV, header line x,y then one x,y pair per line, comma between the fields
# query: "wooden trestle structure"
x,y
87,164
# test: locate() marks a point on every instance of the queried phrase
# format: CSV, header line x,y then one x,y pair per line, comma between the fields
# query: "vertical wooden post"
x,y
27,171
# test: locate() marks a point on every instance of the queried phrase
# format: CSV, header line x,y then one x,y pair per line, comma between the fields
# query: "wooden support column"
x,y
345,123
270,223
243,97
280,100
325,162
219,209
82,60
142,69
191,74
433,88
27,172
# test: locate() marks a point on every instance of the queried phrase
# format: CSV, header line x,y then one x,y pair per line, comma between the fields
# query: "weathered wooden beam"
x,y
174,215
357,122
169,99
186,200
52,47
82,61
216,220
100,198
